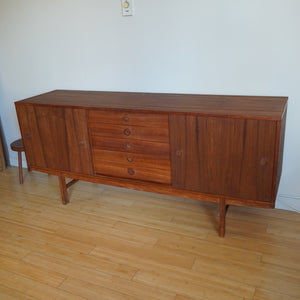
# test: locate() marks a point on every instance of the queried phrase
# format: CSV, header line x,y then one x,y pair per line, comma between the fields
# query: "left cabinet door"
x,y
55,138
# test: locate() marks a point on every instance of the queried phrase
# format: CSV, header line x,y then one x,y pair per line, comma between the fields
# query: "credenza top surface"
x,y
260,107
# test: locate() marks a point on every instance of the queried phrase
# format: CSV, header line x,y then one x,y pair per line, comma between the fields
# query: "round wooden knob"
x,y
179,153
125,118
131,171
127,132
263,161
128,146
130,159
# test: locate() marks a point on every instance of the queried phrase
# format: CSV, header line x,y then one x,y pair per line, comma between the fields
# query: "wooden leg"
x,y
28,168
63,189
222,207
20,167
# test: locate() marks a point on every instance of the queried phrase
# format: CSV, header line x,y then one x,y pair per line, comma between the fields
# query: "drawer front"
x,y
130,145
138,173
128,118
132,159
134,146
130,132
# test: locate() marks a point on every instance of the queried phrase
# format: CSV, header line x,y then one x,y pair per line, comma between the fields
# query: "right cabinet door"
x,y
224,156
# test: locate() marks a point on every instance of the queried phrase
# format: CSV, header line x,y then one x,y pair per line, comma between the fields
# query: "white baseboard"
x,y
288,202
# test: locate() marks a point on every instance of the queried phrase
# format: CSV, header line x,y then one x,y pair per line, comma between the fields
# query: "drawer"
x,y
128,118
130,145
131,159
138,173
130,132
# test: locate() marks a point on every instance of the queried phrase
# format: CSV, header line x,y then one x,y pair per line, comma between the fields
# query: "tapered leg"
x,y
222,207
20,167
63,189
28,168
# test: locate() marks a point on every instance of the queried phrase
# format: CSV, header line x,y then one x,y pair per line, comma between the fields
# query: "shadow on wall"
x,y
4,161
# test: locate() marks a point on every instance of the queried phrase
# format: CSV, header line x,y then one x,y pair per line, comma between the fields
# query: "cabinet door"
x,y
31,136
225,156
80,157
55,138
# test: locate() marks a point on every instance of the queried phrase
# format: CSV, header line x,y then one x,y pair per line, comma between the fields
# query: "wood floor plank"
x,y
283,257
279,279
92,291
285,229
99,234
125,213
16,233
202,277
204,248
274,251
180,297
28,270
158,221
32,220
10,294
261,294
262,215
11,250
146,230
76,257
88,273
193,288
34,288
149,253
262,242
75,218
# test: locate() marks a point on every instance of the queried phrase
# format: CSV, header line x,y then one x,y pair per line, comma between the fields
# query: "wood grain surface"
x,y
213,105
112,243
223,149
232,157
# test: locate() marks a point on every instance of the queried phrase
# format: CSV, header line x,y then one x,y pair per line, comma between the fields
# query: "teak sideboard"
x,y
222,149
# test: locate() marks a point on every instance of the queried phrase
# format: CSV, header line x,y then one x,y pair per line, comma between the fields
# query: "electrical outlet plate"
x,y
127,7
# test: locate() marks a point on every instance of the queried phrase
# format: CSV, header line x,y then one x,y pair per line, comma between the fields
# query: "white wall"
x,y
192,46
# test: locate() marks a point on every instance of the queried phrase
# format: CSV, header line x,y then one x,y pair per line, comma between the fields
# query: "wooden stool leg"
x,y
222,207
20,167
63,189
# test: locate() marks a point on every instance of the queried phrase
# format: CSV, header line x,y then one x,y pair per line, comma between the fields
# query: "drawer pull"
x,y
128,146
81,143
263,161
127,132
130,159
131,171
178,153
126,118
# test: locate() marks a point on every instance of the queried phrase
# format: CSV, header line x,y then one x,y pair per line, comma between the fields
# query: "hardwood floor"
x,y
112,243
